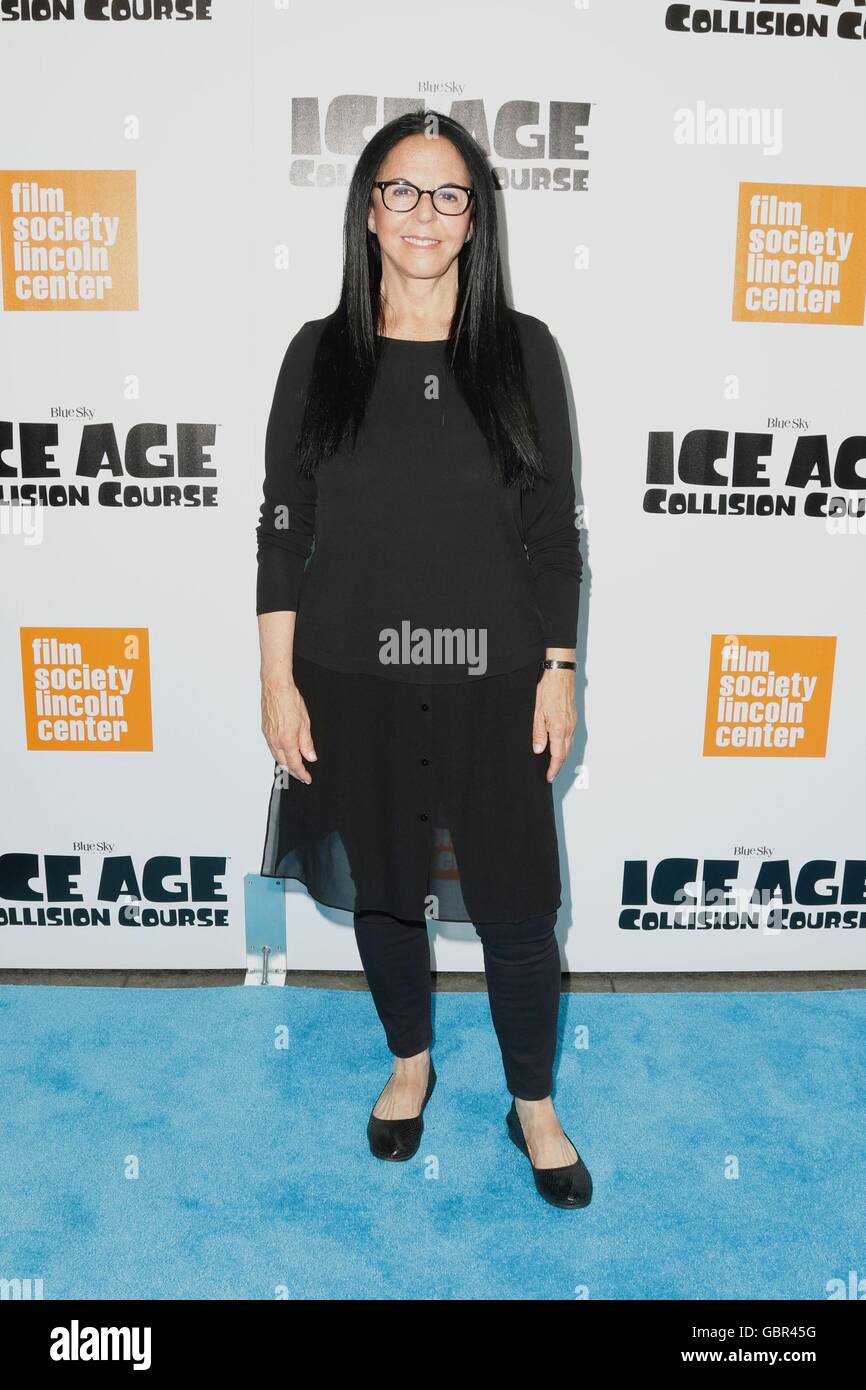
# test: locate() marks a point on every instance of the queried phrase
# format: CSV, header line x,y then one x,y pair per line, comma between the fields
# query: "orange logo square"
x,y
68,239
801,254
768,697
87,689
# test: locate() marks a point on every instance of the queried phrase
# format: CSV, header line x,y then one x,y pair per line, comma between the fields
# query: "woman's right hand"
x,y
286,727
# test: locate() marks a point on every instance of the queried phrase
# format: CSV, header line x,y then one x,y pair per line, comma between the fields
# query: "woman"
x,y
418,673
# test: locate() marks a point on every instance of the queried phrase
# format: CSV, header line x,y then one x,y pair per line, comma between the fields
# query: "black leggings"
x,y
521,962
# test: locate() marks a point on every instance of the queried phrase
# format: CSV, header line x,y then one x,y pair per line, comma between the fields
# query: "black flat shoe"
x,y
398,1140
569,1186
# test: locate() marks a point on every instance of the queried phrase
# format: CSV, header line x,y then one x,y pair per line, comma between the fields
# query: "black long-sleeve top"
x,y
423,567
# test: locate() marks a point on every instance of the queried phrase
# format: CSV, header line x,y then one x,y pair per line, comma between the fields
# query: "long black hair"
x,y
483,347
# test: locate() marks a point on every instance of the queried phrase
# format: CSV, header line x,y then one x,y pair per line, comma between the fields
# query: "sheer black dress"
x,y
426,594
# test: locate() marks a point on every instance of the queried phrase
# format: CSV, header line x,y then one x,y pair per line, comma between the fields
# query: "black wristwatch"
x,y
558,665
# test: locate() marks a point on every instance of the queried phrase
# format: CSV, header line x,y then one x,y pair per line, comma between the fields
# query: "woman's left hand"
x,y
555,718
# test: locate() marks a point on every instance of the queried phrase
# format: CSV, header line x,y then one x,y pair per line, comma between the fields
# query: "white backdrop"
x,y
230,238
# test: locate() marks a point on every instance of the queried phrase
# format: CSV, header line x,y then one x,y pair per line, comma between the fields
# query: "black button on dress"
x,y
435,807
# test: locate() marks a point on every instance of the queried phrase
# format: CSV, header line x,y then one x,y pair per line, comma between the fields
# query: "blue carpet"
x,y
253,1175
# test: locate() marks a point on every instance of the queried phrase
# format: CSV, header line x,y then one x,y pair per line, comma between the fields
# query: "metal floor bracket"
x,y
265,923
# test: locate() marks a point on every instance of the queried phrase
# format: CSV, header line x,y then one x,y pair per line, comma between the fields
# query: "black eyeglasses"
x,y
399,195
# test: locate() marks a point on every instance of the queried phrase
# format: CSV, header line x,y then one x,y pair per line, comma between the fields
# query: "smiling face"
x,y
421,243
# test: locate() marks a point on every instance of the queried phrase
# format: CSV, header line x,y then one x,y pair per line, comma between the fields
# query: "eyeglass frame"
x,y
382,184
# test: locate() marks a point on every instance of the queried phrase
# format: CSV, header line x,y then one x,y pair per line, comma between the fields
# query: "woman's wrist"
x,y
277,680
